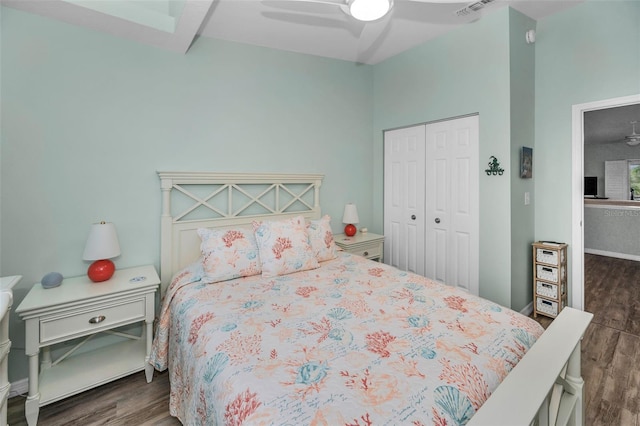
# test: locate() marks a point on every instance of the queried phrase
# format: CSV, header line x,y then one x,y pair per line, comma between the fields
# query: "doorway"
x,y
577,190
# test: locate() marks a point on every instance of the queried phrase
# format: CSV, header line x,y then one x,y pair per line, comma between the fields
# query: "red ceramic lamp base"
x,y
101,270
350,230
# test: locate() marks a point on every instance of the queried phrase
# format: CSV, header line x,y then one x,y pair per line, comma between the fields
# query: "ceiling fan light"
x,y
633,141
369,10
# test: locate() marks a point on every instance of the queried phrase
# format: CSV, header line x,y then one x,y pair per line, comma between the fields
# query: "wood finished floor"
x,y
611,344
610,365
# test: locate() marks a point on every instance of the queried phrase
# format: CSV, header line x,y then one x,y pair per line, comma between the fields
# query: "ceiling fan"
x,y
372,10
634,138
371,20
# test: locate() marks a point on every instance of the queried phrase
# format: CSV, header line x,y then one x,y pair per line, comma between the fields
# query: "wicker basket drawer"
x,y
548,307
549,273
550,257
548,290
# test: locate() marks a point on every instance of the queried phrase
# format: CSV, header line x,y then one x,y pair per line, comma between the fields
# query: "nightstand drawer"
x,y
369,252
367,245
76,324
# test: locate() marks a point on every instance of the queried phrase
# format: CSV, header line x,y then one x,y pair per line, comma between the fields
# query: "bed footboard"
x,y
546,387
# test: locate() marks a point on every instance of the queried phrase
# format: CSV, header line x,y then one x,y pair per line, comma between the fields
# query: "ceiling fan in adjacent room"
x,y
634,138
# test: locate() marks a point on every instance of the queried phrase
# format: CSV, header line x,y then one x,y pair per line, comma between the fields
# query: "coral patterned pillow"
x,y
321,238
228,254
284,247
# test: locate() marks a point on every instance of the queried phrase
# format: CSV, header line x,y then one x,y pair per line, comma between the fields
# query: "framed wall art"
x,y
526,162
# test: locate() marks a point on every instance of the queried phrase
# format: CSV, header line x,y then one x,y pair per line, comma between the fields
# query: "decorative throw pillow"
x,y
284,246
321,238
228,254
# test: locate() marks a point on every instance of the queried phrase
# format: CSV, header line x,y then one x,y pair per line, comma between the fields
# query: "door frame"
x,y
577,190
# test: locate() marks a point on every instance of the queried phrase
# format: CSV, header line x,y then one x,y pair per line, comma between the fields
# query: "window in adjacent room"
x,y
634,178
622,179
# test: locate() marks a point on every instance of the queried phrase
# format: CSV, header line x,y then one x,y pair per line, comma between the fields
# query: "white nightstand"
x,y
80,308
368,245
6,301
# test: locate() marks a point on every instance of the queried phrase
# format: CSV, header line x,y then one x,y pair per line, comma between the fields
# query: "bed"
x,y
264,321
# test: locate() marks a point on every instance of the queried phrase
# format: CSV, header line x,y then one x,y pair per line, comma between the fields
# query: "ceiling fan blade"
x,y
631,141
304,5
316,21
372,36
440,1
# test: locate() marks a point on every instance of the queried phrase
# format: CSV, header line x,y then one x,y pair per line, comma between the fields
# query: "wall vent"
x,y
473,7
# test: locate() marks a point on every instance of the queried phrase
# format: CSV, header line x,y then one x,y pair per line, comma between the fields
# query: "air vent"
x,y
473,7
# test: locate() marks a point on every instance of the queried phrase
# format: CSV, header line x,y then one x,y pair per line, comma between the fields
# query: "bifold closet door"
x,y
431,201
404,198
452,202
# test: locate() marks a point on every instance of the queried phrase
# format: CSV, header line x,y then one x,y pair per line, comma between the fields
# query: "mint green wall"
x,y
463,72
588,53
88,119
522,73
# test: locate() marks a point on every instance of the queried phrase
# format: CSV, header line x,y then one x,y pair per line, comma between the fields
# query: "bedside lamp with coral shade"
x,y
350,217
102,245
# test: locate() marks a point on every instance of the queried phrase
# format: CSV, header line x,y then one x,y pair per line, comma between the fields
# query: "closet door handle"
x,y
437,220
413,217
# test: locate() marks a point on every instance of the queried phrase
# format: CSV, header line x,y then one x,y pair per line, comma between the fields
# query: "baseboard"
x,y
527,310
612,254
20,387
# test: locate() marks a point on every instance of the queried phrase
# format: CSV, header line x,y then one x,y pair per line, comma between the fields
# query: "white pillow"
x,y
228,254
284,246
321,238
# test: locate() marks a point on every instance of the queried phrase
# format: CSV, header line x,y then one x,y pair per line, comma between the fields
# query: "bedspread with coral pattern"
x,y
352,343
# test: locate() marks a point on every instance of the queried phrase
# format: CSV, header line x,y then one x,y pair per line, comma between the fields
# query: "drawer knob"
x,y
98,319
366,253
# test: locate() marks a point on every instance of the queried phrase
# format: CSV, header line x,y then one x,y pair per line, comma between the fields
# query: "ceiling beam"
x,y
186,26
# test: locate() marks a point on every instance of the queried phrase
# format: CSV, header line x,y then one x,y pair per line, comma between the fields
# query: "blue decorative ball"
x,y
51,280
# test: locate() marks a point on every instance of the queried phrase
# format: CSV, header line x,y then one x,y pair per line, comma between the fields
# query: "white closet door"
x,y
431,201
404,198
452,194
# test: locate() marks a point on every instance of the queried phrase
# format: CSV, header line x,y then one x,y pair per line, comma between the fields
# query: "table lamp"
x,y
101,246
350,217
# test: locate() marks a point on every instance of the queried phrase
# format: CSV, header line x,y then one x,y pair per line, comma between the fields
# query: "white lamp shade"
x,y
102,242
369,10
350,215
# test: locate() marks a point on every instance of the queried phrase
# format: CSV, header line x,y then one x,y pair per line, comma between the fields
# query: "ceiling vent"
x,y
473,7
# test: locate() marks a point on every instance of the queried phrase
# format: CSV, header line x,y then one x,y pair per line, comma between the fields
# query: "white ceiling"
x,y
611,125
292,25
302,27
325,30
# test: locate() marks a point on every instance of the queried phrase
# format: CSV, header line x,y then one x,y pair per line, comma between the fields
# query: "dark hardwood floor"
x,y
611,344
610,365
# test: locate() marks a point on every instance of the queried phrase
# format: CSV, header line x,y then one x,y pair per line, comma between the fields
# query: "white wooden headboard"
x,y
192,200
